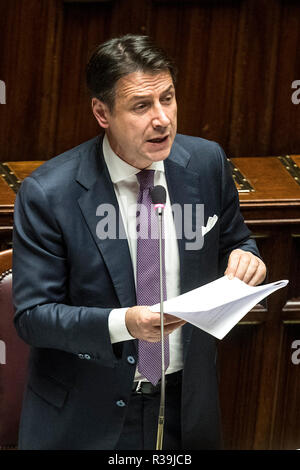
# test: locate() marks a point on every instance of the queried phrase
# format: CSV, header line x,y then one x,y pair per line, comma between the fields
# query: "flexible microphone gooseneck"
x,y
158,195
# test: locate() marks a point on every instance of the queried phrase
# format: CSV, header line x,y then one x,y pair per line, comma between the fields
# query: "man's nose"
x,y
160,118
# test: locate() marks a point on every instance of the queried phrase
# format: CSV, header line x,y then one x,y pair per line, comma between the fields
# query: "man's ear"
x,y
101,112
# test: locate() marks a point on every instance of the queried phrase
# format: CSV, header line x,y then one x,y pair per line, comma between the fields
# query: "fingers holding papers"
x,y
246,267
142,323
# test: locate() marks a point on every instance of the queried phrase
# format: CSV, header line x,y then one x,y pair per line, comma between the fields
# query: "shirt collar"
x,y
118,169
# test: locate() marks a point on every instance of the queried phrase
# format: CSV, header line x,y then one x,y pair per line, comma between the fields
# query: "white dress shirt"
x,y
126,187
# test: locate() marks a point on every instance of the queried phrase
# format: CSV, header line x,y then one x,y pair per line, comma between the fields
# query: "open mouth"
x,y
158,140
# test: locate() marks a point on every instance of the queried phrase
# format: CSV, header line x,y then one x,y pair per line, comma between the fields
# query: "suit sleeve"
x,y
233,231
43,317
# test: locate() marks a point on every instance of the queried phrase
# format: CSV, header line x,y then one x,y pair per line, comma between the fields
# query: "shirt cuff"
x,y
117,327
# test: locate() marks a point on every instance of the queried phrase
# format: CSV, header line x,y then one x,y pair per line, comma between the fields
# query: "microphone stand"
x,y
161,416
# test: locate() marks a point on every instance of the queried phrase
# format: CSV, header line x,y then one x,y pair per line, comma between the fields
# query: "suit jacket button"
x,y
131,360
121,403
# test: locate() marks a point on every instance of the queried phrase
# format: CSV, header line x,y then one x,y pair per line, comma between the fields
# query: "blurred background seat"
x,y
13,360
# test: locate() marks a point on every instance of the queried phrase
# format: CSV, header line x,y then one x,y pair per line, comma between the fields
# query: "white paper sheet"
x,y
218,306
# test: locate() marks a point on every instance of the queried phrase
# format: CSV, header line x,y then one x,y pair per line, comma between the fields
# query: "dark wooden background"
x,y
237,61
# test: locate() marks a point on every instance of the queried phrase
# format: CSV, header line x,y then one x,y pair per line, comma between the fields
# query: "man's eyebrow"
x,y
170,88
144,97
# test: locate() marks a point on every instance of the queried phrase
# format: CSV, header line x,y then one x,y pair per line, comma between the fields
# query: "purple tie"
x,y
147,275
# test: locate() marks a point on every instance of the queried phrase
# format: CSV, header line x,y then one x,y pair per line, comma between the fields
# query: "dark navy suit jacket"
x,y
66,281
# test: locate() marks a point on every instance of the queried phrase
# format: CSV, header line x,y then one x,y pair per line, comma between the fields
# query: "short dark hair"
x,y
121,56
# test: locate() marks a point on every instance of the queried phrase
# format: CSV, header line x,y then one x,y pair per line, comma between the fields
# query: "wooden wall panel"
x,y
294,267
84,26
240,358
255,73
285,130
259,416
278,241
287,411
206,61
28,65
237,60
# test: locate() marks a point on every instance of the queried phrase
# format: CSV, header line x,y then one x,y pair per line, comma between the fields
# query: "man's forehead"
x,y
141,83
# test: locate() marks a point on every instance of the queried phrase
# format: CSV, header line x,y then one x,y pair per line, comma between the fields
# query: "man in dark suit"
x,y
74,278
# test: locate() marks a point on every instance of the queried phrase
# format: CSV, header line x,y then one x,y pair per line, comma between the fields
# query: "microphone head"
x,y
158,195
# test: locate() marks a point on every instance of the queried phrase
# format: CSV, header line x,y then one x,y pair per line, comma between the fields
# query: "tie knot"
x,y
145,179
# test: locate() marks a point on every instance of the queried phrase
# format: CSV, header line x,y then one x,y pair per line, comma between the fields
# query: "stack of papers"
x,y
218,306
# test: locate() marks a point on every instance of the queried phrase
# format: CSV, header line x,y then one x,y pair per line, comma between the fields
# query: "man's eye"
x,y
140,107
167,99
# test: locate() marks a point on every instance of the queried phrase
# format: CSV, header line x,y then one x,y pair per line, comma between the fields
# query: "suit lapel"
x,y
184,188
93,175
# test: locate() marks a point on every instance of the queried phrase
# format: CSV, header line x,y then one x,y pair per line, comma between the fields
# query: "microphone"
x,y
159,196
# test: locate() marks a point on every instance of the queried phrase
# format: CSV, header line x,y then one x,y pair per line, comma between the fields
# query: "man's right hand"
x,y
144,324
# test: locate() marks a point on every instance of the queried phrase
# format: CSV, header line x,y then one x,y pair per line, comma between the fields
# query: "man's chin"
x,y
156,156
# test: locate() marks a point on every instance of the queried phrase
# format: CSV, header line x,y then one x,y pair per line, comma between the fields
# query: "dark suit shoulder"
x,y
202,154
197,145
64,167
192,142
